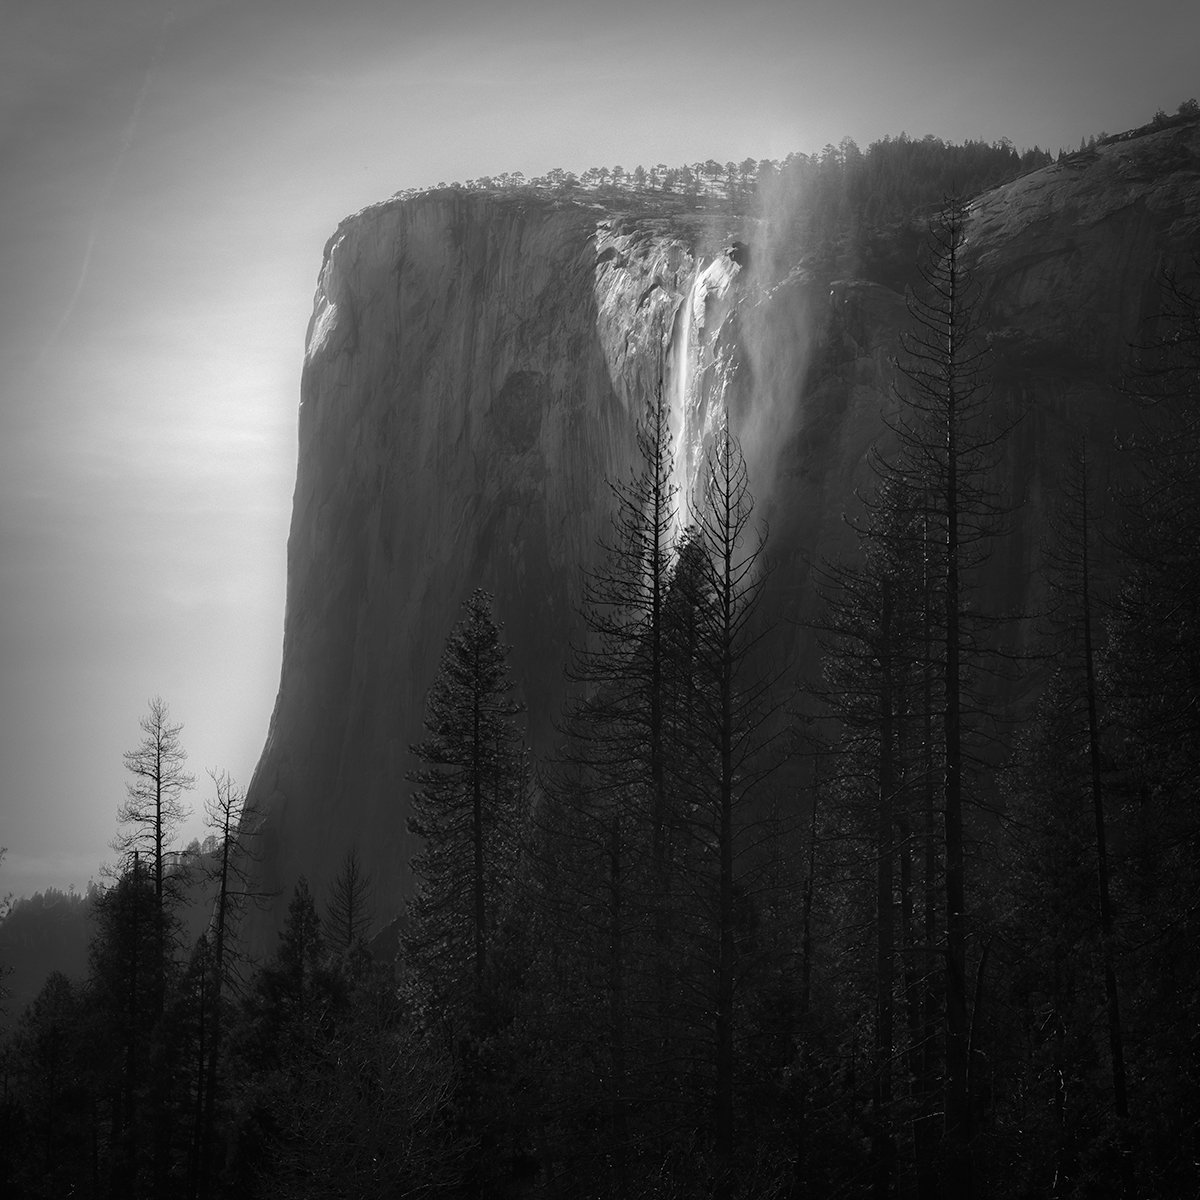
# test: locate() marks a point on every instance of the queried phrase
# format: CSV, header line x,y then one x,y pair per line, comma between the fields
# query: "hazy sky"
x,y
169,174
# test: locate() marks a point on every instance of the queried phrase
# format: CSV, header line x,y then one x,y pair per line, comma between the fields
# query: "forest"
x,y
916,919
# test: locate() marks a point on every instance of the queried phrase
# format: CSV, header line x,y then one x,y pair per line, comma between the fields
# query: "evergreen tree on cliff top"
x,y
467,807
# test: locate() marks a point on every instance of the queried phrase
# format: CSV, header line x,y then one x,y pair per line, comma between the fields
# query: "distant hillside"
x,y
49,931
45,932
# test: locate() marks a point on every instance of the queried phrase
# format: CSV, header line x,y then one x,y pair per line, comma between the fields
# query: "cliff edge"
x,y
474,370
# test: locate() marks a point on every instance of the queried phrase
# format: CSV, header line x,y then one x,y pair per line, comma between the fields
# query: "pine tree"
x,y
467,808
1062,913
620,666
603,850
724,715
948,438
872,639
1156,658
1151,673
348,913
1078,587
294,994
55,1086
122,962
230,871
154,810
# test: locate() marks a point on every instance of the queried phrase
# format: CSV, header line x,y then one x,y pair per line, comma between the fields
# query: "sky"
x,y
169,175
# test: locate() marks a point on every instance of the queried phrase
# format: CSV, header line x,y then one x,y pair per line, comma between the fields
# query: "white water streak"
x,y
700,373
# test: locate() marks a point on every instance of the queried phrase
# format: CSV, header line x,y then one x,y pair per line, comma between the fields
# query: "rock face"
x,y
475,367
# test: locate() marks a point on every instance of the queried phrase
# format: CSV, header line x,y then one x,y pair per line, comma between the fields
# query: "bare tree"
x,y
348,913
726,711
229,869
949,444
609,805
154,811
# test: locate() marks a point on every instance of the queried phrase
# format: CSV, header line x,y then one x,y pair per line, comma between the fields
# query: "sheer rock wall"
x,y
474,369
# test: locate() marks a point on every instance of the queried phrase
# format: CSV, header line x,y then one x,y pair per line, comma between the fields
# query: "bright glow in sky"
x,y
169,174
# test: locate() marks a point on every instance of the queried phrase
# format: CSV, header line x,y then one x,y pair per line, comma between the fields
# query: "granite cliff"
x,y
475,366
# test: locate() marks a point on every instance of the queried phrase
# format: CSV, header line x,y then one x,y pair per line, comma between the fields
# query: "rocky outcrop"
x,y
474,370
1070,256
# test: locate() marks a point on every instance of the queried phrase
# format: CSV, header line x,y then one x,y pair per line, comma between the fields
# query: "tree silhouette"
x,y
467,808
348,912
155,810
871,627
123,977
608,810
724,720
229,869
948,444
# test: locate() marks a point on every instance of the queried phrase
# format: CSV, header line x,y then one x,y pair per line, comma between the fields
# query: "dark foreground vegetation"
x,y
894,927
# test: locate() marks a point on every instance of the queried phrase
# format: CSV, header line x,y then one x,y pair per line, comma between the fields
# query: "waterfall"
x,y
700,368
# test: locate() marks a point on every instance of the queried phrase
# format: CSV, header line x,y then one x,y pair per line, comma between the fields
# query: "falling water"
x,y
700,370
